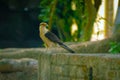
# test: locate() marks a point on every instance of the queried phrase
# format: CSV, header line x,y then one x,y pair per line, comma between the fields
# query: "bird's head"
x,y
43,24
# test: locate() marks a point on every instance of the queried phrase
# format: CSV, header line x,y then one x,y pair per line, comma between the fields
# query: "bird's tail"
x,y
65,47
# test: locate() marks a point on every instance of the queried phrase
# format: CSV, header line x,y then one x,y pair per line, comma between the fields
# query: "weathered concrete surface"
x,y
18,65
55,65
79,67
24,75
18,69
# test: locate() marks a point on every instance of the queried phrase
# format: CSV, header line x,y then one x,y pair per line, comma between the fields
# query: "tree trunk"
x,y
92,13
109,18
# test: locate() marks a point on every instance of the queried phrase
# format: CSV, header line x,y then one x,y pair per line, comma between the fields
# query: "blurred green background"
x,y
19,21
70,20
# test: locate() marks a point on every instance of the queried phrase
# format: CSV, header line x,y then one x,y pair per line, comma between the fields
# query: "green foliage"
x,y
114,47
62,17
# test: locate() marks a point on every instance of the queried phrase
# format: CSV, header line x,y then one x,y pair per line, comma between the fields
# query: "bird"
x,y
50,39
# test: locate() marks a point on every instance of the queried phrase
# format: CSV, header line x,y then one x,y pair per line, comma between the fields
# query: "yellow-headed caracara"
x,y
50,39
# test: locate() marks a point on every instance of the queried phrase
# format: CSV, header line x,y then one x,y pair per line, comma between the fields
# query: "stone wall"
x,y
79,67
21,75
18,69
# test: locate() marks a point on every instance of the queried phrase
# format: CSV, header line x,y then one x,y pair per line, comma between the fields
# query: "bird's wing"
x,y
55,39
51,36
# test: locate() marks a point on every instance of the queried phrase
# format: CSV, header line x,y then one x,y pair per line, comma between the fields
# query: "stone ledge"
x,y
79,66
